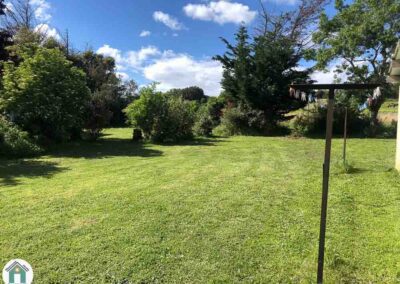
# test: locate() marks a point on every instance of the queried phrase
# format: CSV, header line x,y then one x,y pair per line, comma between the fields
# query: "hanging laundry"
x,y
303,96
297,94
363,106
310,98
377,93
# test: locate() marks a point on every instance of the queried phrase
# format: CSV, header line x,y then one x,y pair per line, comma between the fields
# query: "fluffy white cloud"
x,y
107,50
181,70
168,20
47,31
221,12
328,76
145,33
171,70
42,10
135,59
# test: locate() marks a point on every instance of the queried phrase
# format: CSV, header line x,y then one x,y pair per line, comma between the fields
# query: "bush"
x,y
14,142
208,117
45,95
382,130
313,121
243,121
161,118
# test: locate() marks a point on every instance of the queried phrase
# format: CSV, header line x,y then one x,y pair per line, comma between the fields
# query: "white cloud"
x,y
42,10
107,50
221,12
135,59
123,76
168,20
328,76
145,33
181,70
171,70
47,31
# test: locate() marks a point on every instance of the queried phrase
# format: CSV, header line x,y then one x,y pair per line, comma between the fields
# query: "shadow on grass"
x,y
103,148
199,141
11,170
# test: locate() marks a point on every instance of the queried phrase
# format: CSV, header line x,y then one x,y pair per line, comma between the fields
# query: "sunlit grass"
x,y
244,209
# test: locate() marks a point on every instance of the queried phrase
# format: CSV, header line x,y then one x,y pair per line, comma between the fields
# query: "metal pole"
x,y
325,185
345,138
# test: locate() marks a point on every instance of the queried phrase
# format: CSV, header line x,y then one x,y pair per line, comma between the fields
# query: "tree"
x,y
5,36
193,93
361,36
257,75
238,64
104,85
45,94
19,14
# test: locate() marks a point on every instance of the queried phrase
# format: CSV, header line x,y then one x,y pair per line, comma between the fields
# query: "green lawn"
x,y
244,209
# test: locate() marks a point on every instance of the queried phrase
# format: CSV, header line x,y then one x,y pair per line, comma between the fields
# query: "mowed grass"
x,y
243,209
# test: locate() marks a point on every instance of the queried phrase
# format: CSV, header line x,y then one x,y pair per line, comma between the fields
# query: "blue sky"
x,y
171,42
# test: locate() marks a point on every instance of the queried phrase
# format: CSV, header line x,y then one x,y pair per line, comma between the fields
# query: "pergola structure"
x,y
394,77
327,160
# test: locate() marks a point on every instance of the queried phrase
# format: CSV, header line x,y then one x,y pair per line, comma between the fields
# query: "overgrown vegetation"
x,y
14,142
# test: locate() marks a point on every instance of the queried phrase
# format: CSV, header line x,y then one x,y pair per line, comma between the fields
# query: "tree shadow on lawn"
x,y
11,170
114,147
103,148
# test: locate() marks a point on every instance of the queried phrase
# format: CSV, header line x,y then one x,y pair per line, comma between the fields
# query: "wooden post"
x,y
325,186
345,138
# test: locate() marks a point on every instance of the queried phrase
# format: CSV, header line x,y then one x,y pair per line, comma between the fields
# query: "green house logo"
x,y
17,271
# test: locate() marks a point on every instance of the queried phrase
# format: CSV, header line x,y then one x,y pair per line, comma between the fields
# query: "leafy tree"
x,y
106,89
361,35
193,93
45,94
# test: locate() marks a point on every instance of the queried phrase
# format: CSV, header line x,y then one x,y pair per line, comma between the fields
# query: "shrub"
x,y
313,121
45,95
14,142
243,121
208,117
382,130
161,118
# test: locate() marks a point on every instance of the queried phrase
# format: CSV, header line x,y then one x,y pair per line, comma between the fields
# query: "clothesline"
x,y
310,98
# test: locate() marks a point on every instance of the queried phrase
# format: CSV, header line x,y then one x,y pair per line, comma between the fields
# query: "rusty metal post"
x,y
325,185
